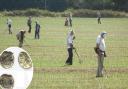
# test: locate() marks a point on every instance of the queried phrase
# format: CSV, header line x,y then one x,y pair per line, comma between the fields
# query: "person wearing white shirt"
x,y
100,45
70,47
9,23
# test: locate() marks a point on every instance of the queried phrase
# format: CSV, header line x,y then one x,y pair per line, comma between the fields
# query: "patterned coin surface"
x,y
24,60
6,81
7,59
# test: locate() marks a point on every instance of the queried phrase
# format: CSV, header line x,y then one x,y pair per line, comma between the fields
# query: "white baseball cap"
x,y
102,33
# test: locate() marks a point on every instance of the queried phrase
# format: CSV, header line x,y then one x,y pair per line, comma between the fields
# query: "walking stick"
x,y
80,61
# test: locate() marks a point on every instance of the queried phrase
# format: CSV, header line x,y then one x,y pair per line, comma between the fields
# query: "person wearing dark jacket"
x,y
29,23
20,36
37,31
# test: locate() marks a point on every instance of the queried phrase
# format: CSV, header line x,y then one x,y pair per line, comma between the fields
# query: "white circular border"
x,y
22,77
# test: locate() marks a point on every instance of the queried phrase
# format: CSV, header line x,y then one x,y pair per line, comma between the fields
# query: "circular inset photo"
x,y
16,69
6,81
7,59
24,60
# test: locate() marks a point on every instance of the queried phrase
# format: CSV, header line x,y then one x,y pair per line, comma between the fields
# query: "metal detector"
x,y
80,61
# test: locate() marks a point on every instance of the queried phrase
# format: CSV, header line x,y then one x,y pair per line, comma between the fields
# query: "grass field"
x,y
49,53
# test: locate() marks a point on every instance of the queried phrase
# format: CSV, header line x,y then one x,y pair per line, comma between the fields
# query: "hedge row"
x,y
75,13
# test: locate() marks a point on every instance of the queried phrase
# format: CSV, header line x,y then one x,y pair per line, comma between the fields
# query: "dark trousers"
x,y
30,27
20,43
70,21
9,29
37,35
70,56
99,21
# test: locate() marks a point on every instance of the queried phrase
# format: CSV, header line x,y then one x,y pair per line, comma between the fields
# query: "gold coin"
x,y
24,60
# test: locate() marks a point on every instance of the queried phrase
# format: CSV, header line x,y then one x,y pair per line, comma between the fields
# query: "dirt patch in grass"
x,y
85,70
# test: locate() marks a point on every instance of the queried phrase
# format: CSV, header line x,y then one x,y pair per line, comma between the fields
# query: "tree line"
x,y
61,5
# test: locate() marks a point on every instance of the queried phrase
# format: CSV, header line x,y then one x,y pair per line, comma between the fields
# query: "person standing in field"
x,y
37,31
99,17
70,19
100,45
20,36
70,47
66,21
9,23
29,23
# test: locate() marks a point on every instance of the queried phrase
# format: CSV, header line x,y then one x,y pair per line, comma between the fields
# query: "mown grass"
x,y
49,53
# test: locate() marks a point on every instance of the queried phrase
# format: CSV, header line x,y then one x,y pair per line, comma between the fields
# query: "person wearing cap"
x,y
9,23
37,30
20,36
70,47
100,45
29,23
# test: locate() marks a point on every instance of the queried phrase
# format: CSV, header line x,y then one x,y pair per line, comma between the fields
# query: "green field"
x,y
49,53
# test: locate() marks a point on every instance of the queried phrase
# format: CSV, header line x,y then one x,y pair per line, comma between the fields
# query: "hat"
x,y
102,33
22,30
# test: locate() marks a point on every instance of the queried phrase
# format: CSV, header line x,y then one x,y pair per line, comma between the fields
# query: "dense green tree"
x,y
120,4
56,5
61,5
